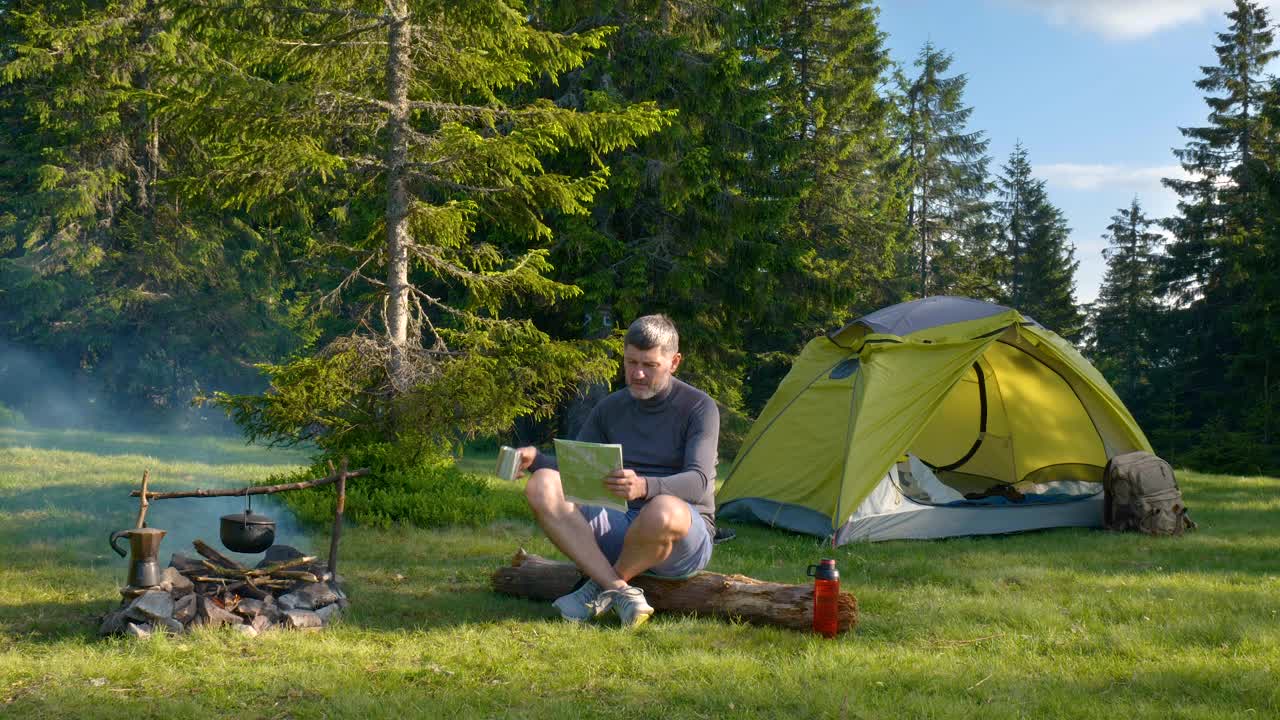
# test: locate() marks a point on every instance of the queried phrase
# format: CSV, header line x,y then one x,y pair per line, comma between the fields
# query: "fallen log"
x,y
733,597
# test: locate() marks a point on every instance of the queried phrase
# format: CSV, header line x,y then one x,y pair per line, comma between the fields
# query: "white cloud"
x,y
1119,183
1077,176
1126,19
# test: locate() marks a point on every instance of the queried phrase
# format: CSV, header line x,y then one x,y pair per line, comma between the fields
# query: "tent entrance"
x,y
1009,429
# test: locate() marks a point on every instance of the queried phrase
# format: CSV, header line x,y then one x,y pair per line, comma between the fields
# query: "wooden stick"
x,y
253,591
222,570
142,502
273,569
339,508
223,583
203,548
255,490
295,575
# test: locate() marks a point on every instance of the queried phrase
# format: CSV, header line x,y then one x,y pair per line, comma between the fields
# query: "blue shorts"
x,y
690,554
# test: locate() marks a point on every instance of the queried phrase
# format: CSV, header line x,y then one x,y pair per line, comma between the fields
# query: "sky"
x,y
1095,89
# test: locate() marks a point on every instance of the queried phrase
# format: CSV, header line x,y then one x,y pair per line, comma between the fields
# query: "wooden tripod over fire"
x,y
338,477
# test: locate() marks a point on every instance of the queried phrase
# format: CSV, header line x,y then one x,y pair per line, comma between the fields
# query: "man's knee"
x,y
666,514
542,491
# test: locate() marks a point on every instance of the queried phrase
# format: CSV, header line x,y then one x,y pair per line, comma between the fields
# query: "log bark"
x,y
254,490
732,597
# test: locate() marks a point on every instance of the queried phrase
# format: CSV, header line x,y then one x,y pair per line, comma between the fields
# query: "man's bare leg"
x,y
652,535
568,530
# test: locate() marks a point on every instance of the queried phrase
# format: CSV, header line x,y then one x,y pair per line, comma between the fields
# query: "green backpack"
x,y
1140,493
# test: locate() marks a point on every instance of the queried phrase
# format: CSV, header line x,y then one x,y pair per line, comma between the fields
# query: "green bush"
x,y
11,418
428,493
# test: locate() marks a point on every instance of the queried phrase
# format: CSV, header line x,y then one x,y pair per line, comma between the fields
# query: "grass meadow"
x,y
1058,624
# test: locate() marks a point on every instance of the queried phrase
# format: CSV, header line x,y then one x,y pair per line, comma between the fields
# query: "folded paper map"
x,y
583,467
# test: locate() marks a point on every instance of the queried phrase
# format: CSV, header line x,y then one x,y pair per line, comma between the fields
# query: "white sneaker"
x,y
584,603
633,610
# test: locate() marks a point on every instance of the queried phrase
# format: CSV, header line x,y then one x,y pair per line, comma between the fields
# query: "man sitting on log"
x,y
669,431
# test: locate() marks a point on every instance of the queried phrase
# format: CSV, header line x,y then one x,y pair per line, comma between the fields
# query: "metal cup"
x,y
508,463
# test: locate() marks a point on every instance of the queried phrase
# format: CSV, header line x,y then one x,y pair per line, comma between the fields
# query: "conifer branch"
x,y
331,43
454,108
341,37
453,185
356,274
454,270
293,10
374,102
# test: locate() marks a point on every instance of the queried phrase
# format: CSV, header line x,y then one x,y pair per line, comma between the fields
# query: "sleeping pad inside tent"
x,y
934,418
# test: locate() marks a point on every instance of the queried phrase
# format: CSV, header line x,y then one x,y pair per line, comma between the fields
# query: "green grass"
x,y
1065,623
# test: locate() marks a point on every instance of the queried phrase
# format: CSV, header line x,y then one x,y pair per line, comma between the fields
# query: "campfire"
x,y
286,589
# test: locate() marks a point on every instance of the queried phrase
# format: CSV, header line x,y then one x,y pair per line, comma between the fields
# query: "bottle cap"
x,y
824,570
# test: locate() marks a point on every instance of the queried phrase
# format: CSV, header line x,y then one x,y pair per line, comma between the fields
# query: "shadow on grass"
x,y
53,621
54,538
373,609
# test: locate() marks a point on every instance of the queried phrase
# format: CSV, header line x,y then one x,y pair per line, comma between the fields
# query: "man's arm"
x,y
702,440
591,432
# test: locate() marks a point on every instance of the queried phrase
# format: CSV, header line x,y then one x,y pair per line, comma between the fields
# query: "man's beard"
x,y
644,392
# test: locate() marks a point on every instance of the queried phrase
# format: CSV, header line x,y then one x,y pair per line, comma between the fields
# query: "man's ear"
x,y
675,361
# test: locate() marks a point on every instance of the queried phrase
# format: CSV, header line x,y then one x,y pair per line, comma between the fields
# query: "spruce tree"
x,y
833,159
1216,272
768,209
948,164
1126,311
1039,264
392,125
122,278
676,229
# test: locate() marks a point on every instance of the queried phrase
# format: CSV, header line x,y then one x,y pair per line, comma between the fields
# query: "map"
x,y
583,467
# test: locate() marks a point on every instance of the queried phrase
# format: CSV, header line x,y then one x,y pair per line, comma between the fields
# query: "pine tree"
x,y
949,167
390,124
1039,262
1126,311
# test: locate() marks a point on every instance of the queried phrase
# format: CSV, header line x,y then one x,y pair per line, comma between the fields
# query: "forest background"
x,y
394,227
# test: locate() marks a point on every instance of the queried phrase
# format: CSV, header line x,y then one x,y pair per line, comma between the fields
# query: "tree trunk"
x,y
732,597
924,231
397,212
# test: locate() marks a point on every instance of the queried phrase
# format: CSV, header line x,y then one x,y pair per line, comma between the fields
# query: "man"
x,y
668,430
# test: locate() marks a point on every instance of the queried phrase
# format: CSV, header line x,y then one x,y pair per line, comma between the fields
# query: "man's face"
x,y
648,371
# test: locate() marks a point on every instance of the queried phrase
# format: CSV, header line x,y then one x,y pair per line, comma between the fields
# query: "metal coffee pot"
x,y
144,550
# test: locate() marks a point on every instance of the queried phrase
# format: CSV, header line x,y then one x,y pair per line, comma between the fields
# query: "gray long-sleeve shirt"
x,y
671,439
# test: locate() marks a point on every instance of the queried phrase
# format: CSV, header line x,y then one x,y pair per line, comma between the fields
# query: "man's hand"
x,y
626,484
528,454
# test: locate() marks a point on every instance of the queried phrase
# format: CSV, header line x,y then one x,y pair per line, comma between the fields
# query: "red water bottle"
x,y
826,593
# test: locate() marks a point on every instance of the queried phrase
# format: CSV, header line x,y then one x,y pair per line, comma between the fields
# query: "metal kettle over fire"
x,y
144,553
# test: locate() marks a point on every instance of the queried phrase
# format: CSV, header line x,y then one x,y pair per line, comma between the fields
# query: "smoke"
x,y
186,520
50,393
33,385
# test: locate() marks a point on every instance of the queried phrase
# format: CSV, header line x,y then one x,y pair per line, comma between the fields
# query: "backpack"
x,y
1140,493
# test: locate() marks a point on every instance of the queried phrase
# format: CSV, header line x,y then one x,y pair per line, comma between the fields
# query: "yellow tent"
x,y
985,402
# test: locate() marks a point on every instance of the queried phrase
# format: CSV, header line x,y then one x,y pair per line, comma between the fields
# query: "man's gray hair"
x,y
654,331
